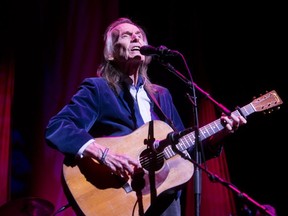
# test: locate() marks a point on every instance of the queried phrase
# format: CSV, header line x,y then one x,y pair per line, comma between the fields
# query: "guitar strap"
x,y
163,115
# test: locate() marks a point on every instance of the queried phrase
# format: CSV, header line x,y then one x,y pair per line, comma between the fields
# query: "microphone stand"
x,y
198,149
197,161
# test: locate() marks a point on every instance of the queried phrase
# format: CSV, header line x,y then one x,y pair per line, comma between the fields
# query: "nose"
x,y
135,37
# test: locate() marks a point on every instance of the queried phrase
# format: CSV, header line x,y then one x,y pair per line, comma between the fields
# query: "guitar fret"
x,y
185,140
248,109
201,132
217,123
204,134
190,139
169,152
244,108
214,127
236,112
184,143
210,125
181,146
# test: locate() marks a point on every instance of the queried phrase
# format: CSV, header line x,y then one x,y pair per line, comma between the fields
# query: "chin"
x,y
138,58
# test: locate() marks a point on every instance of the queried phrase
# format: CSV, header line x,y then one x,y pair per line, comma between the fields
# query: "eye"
x,y
125,35
140,36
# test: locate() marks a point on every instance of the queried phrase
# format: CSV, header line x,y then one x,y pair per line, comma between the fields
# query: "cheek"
x,y
120,51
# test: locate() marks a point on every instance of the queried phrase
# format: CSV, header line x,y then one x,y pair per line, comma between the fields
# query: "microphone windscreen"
x,y
148,50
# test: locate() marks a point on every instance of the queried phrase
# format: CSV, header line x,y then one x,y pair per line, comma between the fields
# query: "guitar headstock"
x,y
267,101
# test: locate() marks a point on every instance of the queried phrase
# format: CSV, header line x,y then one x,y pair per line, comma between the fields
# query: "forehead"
x,y
124,27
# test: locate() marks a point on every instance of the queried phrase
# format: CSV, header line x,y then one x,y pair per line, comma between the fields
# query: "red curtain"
x,y
216,199
78,52
6,100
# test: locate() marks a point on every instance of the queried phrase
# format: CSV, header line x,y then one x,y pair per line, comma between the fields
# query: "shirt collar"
x,y
140,82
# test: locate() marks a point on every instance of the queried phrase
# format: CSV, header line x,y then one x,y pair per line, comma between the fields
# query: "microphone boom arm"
x,y
170,68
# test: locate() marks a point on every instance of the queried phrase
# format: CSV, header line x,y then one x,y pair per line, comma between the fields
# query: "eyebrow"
x,y
130,32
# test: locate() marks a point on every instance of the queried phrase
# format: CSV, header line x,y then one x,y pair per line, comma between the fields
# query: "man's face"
x,y
127,40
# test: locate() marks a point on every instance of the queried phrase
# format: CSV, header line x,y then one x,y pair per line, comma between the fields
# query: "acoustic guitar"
x,y
98,192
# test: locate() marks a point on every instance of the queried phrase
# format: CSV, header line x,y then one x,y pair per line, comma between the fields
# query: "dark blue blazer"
x,y
96,111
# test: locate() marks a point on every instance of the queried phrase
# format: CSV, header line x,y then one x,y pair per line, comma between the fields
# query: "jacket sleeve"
x,y
68,130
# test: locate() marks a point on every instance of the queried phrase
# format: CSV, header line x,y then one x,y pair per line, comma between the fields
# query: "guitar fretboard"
x,y
205,132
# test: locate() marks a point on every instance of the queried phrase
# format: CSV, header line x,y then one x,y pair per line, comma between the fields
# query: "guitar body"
x,y
98,192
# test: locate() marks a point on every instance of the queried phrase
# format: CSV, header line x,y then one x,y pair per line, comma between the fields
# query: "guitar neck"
x,y
205,132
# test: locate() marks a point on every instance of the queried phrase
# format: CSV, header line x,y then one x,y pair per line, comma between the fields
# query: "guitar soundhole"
x,y
151,160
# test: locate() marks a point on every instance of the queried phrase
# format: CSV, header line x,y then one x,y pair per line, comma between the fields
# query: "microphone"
x,y
171,139
160,51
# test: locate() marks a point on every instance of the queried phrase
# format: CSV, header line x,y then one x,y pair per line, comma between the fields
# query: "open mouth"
x,y
135,48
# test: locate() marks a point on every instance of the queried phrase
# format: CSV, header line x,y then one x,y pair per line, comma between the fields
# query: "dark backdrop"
x,y
242,49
